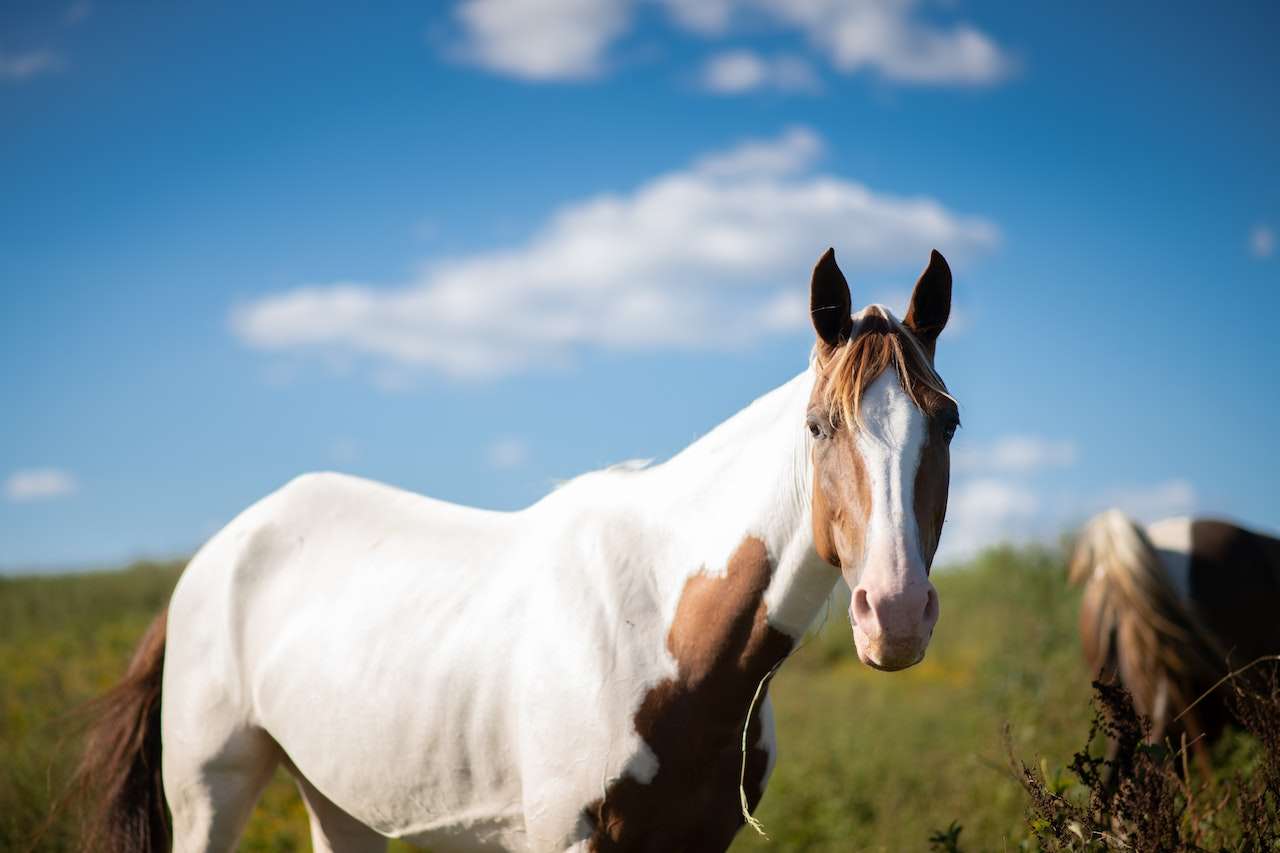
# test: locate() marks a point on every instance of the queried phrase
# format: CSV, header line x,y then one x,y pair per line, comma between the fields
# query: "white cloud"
x,y
998,496
1014,454
39,484
569,39
887,36
1262,241
989,510
542,39
737,71
705,17
27,64
983,512
507,452
1149,503
715,255
794,151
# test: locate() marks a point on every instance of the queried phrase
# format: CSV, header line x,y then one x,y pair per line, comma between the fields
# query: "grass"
x,y
874,761
869,761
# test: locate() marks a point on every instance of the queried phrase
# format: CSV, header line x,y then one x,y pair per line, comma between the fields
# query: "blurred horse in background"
x,y
1170,610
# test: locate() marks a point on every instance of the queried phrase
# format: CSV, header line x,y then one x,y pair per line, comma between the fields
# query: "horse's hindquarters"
x,y
330,621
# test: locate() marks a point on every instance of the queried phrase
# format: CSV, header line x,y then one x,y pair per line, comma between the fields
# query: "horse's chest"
x,y
692,801
692,722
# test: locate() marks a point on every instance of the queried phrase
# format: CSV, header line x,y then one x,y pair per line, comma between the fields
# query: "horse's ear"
x,y
930,302
830,307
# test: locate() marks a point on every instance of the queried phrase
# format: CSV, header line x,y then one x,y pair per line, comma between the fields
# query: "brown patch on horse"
x,y
933,483
841,499
723,647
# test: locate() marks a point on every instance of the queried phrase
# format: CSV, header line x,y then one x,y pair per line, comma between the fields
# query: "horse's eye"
x,y
949,430
817,429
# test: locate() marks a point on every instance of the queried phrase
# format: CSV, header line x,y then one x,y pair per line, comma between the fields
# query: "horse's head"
x,y
881,423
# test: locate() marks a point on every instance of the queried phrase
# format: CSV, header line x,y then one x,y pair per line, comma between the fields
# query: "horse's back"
x,y
366,630
1235,583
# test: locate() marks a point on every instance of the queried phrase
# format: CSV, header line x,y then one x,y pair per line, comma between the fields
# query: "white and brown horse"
x,y
1169,610
576,675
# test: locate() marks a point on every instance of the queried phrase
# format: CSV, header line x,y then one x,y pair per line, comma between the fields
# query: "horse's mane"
x,y
1133,623
878,342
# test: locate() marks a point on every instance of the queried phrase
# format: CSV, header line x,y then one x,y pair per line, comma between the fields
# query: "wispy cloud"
x,y
710,256
77,12
985,511
1151,502
570,39
1001,496
38,484
25,65
1262,241
1002,493
736,72
508,452
1014,454
19,66
344,451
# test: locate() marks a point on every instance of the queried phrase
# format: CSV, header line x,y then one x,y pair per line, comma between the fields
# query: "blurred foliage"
x,y
868,761
876,761
1146,796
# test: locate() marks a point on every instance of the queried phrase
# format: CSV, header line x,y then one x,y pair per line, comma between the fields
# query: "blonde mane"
x,y
878,342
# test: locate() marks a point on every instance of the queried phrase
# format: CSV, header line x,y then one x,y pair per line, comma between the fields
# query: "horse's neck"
x,y
747,481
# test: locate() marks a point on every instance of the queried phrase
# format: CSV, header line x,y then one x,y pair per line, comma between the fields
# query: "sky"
x,y
476,248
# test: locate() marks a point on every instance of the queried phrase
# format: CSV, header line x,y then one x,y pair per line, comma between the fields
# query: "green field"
x,y
869,761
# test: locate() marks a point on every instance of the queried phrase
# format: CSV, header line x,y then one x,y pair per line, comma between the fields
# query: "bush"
x,y
1148,798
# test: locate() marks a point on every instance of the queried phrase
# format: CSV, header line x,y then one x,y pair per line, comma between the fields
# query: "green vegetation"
x,y
875,761
64,640
869,761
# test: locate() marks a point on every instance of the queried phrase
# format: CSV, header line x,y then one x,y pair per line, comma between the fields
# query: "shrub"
x,y
1147,797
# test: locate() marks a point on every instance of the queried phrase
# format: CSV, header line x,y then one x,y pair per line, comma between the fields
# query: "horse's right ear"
x,y
830,307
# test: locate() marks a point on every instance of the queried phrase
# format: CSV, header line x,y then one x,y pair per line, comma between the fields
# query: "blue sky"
x,y
475,248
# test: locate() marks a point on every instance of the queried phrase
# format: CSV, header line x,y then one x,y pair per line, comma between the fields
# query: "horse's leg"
x,y
332,829
211,793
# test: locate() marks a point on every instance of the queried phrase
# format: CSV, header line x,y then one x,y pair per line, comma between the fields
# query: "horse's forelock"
x,y
879,342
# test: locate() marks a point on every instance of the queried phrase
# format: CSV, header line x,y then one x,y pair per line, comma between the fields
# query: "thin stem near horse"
x,y
573,676
1170,609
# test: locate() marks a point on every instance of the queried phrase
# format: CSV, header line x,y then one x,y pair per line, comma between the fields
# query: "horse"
x,y
1170,610
577,675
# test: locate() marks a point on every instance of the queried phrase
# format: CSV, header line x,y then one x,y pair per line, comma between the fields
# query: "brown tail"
x,y
119,774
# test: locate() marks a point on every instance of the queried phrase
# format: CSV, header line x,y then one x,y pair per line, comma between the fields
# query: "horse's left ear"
x,y
830,302
930,302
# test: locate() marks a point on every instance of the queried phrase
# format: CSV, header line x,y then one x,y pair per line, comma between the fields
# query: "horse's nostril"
x,y
861,608
931,606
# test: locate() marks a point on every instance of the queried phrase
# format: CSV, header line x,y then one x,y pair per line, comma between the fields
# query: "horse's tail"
x,y
119,774
1134,624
